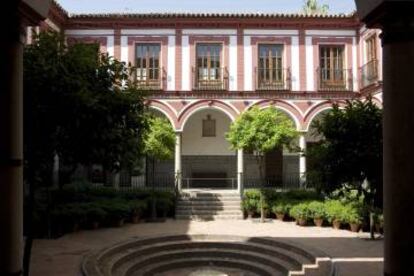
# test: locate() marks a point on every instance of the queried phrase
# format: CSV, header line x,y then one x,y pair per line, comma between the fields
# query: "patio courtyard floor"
x,y
352,253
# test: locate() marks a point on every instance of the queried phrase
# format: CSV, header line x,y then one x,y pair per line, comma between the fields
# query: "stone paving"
x,y
353,253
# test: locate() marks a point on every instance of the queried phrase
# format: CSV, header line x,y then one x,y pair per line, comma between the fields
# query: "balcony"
x,y
332,80
212,79
369,73
272,79
149,78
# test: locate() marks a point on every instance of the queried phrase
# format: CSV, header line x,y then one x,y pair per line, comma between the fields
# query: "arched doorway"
x,y
157,172
281,165
207,160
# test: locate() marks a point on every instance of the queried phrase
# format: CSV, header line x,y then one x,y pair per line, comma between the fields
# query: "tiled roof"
x,y
209,15
59,8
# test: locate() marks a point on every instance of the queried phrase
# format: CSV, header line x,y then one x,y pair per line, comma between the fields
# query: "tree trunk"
x,y
153,203
259,159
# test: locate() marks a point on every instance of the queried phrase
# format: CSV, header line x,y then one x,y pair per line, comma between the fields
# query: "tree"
x,y
80,105
159,143
260,131
350,151
311,7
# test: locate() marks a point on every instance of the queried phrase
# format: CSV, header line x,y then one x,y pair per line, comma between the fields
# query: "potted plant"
x,y
95,215
279,210
379,222
317,212
117,211
164,204
252,204
300,213
335,213
249,206
74,215
136,208
354,220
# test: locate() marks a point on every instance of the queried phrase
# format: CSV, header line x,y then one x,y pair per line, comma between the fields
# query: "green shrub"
x,y
279,208
251,201
302,195
353,218
164,203
137,207
95,212
249,205
116,209
300,211
335,210
317,210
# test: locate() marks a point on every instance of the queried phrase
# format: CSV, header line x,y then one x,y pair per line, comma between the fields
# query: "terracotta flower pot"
x,y
301,222
95,225
119,223
318,222
76,227
336,224
135,219
355,227
280,216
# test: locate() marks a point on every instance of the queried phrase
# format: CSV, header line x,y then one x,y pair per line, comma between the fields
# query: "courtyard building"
x,y
201,71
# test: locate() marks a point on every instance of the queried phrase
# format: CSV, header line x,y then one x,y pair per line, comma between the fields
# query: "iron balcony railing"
x,y
369,73
273,79
210,78
334,79
149,78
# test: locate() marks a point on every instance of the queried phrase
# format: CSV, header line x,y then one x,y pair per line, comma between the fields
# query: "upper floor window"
x,y
369,71
332,75
209,73
148,72
371,48
270,73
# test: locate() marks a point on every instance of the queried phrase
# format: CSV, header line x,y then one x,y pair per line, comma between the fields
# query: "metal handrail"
x,y
149,78
210,78
233,180
369,73
273,79
337,79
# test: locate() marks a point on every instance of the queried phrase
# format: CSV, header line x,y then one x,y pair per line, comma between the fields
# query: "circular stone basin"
x,y
206,271
199,255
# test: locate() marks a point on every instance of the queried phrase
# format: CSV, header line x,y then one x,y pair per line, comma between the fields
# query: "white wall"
x,y
194,144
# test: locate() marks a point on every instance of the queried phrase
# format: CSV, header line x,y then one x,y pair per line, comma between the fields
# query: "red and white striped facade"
x,y
240,36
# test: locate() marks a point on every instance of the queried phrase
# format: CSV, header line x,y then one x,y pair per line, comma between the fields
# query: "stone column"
x,y
178,168
11,143
396,19
240,171
302,159
398,134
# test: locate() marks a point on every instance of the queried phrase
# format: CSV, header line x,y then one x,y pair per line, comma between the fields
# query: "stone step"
x,y
168,265
154,255
208,212
208,217
211,251
210,196
180,208
209,204
291,260
209,199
